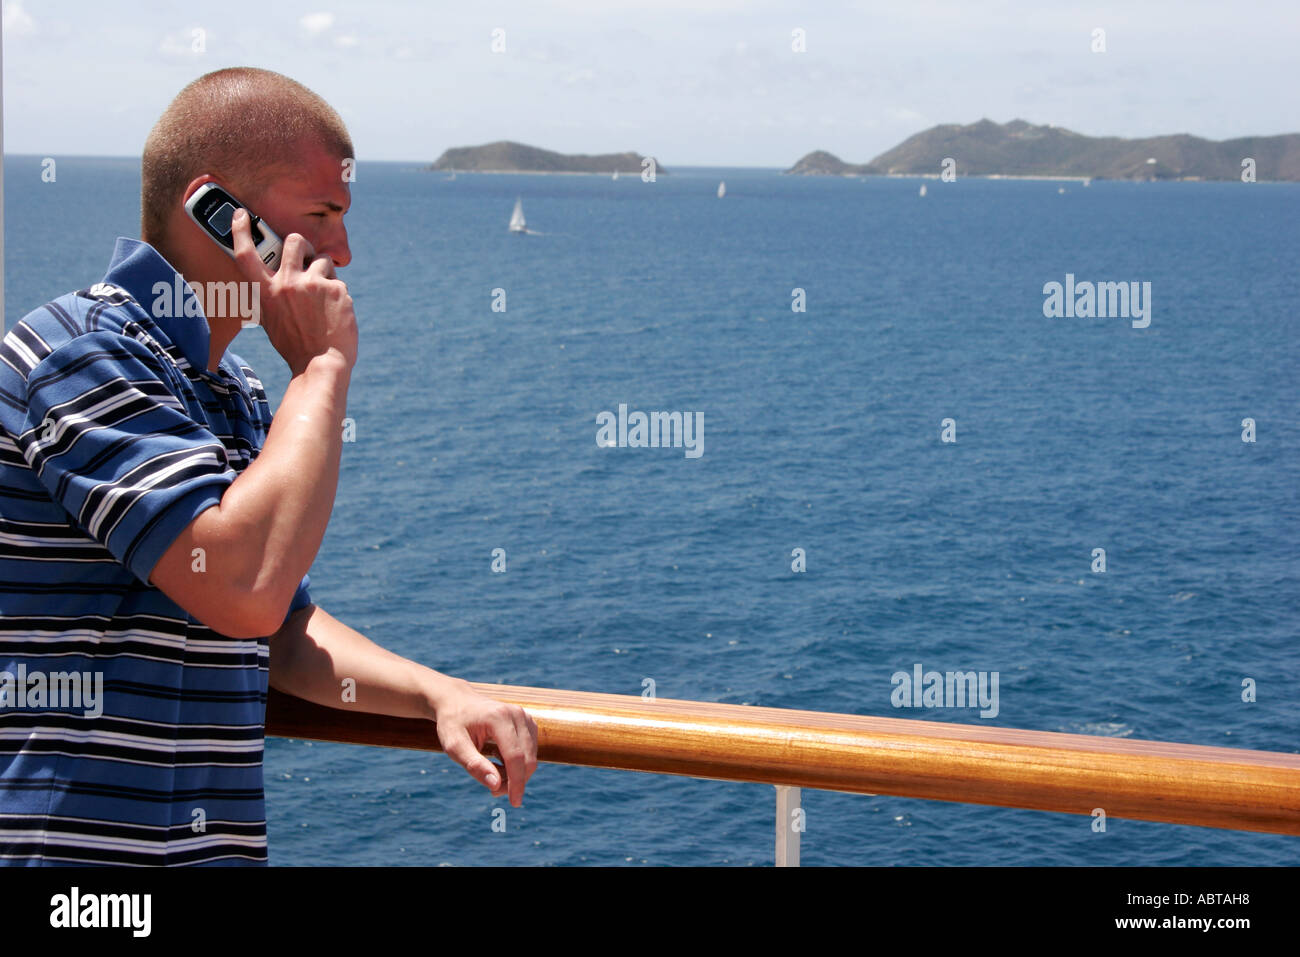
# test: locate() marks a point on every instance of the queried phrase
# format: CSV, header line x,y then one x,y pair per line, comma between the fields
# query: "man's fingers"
x,y
511,731
526,728
246,258
504,778
322,266
461,750
296,252
513,751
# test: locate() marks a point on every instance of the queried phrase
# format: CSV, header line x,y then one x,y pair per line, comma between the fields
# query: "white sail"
x,y
922,189
722,190
615,176
517,223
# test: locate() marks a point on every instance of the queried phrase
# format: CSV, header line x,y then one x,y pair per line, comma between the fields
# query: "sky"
x,y
692,82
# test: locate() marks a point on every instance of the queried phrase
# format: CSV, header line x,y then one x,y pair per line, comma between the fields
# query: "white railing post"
x,y
789,824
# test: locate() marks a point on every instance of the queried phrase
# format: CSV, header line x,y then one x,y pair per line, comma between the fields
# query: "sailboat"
x,y
922,189
722,190
615,176
517,224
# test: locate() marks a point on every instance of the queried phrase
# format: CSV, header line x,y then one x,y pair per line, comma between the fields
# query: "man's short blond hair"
x,y
244,125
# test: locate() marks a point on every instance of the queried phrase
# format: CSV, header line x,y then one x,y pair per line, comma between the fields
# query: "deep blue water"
x,y
476,430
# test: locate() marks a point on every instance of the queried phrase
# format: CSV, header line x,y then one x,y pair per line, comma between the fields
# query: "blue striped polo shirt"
x,y
130,733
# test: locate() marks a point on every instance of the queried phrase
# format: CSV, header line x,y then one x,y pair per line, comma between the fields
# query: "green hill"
x,y
1019,148
508,157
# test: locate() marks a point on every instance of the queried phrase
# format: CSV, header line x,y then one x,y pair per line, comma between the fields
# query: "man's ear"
x,y
198,181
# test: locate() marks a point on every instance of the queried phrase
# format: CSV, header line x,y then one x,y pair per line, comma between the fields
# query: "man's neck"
x,y
221,332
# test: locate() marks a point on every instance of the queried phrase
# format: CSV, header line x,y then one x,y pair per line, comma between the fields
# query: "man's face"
x,y
311,199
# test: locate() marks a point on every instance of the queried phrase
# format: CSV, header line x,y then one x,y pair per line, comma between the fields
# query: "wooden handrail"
x,y
1040,770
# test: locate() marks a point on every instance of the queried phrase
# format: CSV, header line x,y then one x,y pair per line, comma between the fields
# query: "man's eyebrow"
x,y
332,206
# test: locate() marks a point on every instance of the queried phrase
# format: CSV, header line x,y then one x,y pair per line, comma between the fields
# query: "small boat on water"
x,y
722,189
922,193
615,176
517,222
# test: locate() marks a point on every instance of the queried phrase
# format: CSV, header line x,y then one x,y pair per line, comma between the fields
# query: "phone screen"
x,y
214,210
222,218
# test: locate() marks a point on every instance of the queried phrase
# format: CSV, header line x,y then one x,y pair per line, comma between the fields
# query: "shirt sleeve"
x,y
116,447
301,598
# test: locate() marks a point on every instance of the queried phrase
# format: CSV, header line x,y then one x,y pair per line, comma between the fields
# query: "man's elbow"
x,y
250,615
221,576
237,612
235,599
254,606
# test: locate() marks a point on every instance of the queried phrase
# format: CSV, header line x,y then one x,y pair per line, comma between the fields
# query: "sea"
x,y
902,460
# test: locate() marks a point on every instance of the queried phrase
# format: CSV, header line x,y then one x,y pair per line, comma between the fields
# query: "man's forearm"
x,y
316,657
279,507
263,536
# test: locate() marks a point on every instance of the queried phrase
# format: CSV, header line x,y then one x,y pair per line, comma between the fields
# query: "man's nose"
x,y
336,247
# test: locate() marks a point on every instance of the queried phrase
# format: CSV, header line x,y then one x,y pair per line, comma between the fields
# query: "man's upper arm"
x,y
215,599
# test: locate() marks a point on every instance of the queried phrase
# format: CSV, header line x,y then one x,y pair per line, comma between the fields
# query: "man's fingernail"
x,y
493,781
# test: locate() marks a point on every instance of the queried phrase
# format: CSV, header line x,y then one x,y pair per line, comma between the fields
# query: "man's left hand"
x,y
467,720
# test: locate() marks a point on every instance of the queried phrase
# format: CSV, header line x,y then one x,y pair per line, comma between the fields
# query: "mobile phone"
x,y
214,210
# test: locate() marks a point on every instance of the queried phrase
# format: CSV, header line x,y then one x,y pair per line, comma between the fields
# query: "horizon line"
x,y
674,165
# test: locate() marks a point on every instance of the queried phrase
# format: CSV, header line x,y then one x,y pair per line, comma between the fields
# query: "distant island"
x,y
508,157
1019,148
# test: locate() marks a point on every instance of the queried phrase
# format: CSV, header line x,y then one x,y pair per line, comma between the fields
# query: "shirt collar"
x,y
137,267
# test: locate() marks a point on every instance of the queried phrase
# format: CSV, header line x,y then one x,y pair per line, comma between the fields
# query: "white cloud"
x,y
346,41
315,23
17,21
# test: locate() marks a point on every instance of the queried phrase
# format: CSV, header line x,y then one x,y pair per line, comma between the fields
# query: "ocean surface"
x,y
822,431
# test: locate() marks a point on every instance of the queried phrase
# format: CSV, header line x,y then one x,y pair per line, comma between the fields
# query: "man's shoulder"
x,y
54,324
53,347
87,318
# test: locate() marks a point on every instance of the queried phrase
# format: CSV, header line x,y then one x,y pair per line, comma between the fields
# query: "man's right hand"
x,y
306,312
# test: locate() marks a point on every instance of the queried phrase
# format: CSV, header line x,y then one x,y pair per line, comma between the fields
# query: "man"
x,y
156,528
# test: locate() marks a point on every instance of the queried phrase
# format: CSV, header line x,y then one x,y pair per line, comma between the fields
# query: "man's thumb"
x,y
461,750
